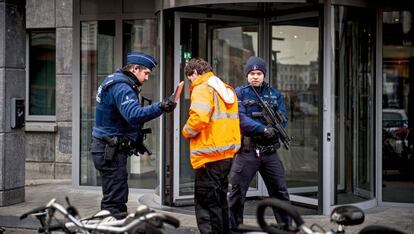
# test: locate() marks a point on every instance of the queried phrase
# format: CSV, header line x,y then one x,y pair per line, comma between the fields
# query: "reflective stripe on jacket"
x,y
213,122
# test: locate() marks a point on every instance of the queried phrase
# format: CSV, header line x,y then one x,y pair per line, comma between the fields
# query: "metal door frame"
x,y
177,59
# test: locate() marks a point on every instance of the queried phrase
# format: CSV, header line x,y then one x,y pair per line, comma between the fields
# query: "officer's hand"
x,y
168,104
269,132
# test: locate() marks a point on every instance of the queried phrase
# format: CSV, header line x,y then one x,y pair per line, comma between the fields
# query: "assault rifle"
x,y
125,144
140,146
273,119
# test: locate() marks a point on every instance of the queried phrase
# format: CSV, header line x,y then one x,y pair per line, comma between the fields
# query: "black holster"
x,y
246,144
111,147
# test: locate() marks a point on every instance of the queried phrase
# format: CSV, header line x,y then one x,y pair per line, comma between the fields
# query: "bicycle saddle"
x,y
347,215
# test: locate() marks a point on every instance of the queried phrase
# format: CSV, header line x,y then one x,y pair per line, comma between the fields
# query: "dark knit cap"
x,y
143,59
255,63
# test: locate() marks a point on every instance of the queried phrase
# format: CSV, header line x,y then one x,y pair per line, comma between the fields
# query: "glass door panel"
x,y
231,47
295,72
192,44
398,106
141,35
226,48
354,104
97,53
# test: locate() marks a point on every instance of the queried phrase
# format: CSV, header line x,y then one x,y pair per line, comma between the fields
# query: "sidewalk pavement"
x,y
88,202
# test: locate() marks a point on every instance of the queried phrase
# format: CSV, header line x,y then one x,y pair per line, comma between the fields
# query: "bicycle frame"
x,y
130,224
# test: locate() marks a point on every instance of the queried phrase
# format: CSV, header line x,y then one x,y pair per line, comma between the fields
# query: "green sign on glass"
x,y
187,56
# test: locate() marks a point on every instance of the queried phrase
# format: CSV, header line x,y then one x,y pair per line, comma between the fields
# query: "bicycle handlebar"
x,y
346,215
281,205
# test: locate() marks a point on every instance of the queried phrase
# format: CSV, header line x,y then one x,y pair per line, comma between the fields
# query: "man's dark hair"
x,y
198,64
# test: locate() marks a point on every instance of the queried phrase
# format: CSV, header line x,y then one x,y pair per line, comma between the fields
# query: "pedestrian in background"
x,y
213,130
259,144
119,118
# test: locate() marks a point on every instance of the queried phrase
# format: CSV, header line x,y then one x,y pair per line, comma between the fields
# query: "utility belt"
x,y
249,145
123,144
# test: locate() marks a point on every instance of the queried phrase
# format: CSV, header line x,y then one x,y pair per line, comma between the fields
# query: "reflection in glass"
x,y
398,107
97,62
42,73
354,104
231,47
141,35
193,42
295,72
97,53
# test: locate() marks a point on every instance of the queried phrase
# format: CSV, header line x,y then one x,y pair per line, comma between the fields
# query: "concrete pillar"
x,y
12,85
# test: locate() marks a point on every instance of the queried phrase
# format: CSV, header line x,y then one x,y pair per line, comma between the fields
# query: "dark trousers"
x,y
245,166
210,198
114,177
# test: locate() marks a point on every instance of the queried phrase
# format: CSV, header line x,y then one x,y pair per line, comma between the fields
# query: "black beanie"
x,y
255,63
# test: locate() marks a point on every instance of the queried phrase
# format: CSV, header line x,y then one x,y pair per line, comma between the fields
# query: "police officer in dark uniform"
x,y
119,119
259,145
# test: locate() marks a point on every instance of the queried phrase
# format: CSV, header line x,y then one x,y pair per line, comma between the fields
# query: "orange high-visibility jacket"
x,y
213,122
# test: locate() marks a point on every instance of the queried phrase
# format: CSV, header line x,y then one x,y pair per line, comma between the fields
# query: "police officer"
x,y
119,118
259,145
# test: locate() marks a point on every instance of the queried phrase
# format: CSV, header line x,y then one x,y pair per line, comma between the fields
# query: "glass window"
x,y
42,73
97,61
354,104
295,73
398,106
141,35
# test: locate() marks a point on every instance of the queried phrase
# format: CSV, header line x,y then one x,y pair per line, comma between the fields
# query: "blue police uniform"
x,y
118,108
257,154
119,114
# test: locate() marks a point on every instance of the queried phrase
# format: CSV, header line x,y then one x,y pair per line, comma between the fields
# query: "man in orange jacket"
x,y
213,130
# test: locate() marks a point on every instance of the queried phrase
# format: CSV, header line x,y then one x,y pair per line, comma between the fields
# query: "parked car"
x,y
396,151
393,119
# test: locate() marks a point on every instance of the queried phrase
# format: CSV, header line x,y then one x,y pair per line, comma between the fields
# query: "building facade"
x,y
344,67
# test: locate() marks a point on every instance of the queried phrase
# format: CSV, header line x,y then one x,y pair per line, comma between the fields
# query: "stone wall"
x,y
12,85
49,144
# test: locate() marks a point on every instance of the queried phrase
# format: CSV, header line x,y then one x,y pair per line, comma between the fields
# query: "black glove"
x,y
168,104
270,133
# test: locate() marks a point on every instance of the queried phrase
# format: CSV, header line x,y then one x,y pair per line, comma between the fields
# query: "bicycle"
x,y
143,220
342,216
